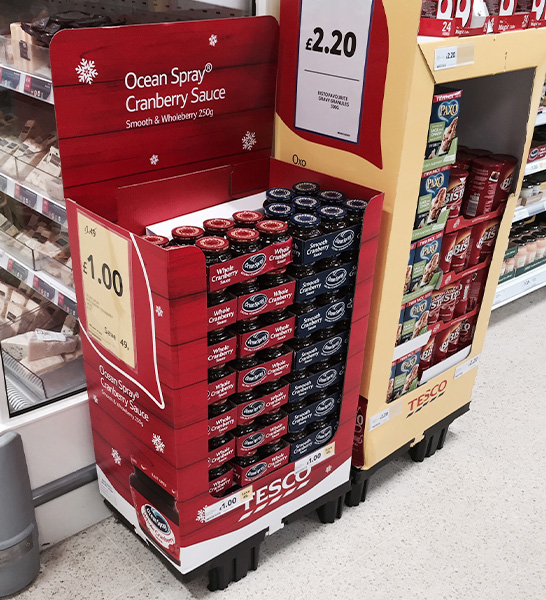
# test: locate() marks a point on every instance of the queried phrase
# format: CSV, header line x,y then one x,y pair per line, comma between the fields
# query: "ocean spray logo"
x,y
255,303
344,239
327,378
256,470
255,376
254,264
335,312
324,435
336,279
257,340
253,409
253,440
325,407
332,346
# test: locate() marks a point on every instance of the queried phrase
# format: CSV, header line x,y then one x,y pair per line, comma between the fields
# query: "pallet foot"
x,y
233,566
330,511
435,437
359,488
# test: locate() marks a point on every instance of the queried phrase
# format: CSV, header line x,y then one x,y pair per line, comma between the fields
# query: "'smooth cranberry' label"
x,y
324,246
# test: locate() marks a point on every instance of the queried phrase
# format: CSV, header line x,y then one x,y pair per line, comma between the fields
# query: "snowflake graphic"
x,y
116,457
159,311
201,515
158,443
154,159
213,40
249,140
95,399
86,71
328,468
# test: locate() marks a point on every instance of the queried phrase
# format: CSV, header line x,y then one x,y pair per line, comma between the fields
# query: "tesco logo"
x,y
429,396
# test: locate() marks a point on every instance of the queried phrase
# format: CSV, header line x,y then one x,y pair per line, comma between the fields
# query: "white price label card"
x,y
453,56
228,504
50,336
332,56
379,419
467,366
315,458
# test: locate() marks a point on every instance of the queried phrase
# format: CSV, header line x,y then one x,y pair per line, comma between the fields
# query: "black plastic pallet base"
x,y
235,563
433,440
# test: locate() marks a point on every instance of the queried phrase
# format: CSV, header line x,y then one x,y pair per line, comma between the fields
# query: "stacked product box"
x,y
258,361
446,18
457,222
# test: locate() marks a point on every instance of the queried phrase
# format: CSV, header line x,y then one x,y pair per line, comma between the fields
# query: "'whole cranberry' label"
x,y
252,441
246,475
300,419
268,371
221,484
320,351
222,315
270,403
249,266
222,423
222,388
223,352
325,246
272,335
313,441
317,382
265,300
221,455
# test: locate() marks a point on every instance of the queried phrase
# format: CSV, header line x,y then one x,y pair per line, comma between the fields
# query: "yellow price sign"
x,y
107,288
247,494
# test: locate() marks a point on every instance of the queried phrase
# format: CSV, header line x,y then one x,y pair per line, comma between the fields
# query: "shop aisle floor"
x,y
468,523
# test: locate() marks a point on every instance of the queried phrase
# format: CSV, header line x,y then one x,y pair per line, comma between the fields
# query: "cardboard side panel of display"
x,y
149,398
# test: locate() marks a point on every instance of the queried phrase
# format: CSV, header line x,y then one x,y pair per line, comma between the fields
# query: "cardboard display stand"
x,y
203,133
485,67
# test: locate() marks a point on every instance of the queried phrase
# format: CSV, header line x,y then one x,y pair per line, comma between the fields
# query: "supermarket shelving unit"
x,y
502,77
57,435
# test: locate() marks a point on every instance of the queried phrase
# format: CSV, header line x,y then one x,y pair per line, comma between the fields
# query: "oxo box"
x,y
151,437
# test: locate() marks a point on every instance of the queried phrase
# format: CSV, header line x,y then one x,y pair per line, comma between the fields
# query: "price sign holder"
x,y
333,53
107,287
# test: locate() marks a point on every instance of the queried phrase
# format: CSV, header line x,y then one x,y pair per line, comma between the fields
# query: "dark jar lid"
x,y
218,472
332,197
279,194
306,204
306,188
156,240
187,234
279,211
247,218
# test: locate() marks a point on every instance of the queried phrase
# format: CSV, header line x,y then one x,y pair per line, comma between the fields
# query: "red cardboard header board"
x,y
333,68
143,103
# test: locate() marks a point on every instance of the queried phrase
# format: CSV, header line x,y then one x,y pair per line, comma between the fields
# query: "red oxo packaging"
x,y
268,371
272,335
461,306
266,300
509,164
246,475
450,298
453,339
427,355
477,288
248,411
